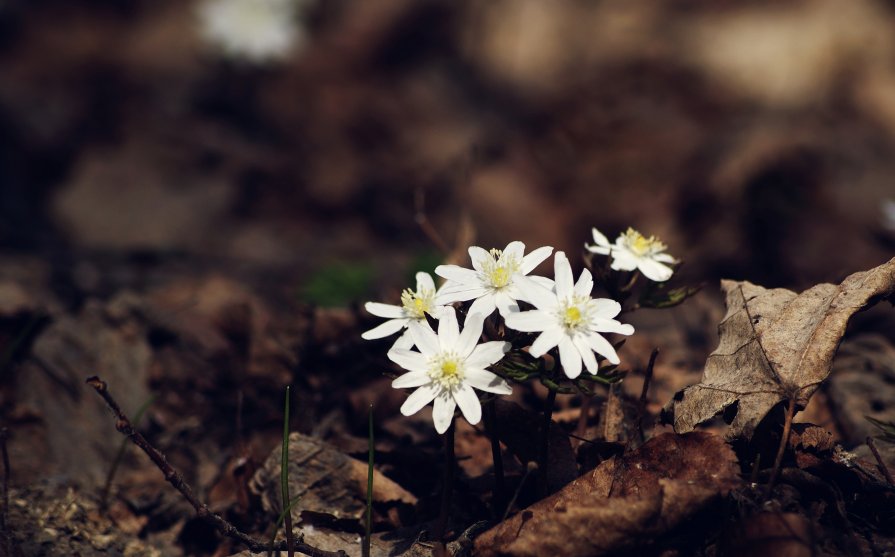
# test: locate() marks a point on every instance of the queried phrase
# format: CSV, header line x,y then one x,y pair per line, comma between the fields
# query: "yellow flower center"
x,y
417,304
574,314
499,269
640,245
446,370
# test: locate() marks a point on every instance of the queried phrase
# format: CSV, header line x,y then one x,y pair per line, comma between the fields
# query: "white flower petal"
x,y
605,307
478,255
414,361
586,352
505,304
457,274
384,310
547,340
542,281
448,329
419,398
484,380
404,342
665,258
469,336
487,353
528,321
654,270
456,292
623,260
600,240
424,338
569,358
534,293
390,327
424,282
562,275
412,379
602,325
602,347
469,403
484,305
535,258
443,411
514,250
585,284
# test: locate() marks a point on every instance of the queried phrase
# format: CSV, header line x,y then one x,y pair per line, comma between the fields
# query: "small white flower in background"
x,y
632,250
492,281
889,214
252,30
415,304
569,318
447,368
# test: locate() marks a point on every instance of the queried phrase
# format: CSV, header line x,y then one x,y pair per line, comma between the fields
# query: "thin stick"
x,y
544,455
879,461
532,466
447,486
423,222
647,379
499,495
119,457
4,516
123,425
368,522
284,481
784,440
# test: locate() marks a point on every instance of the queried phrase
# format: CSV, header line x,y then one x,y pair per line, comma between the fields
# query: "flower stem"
x,y
499,496
543,457
447,485
784,440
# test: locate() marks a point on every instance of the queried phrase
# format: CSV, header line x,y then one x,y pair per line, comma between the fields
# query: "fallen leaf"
x,y
780,534
624,504
326,480
775,345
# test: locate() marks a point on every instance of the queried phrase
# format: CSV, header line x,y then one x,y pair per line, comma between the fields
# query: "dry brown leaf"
x,y
327,480
625,503
775,345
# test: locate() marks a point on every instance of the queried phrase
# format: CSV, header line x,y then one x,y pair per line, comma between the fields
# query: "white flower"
x,y
889,214
447,367
254,30
414,307
492,281
632,250
569,318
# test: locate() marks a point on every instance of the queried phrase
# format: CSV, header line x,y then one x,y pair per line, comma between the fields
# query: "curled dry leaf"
x,y
626,503
775,345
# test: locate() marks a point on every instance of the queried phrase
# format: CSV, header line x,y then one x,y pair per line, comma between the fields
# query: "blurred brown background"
x,y
756,139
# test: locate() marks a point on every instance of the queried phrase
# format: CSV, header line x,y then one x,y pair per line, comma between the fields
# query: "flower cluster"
x,y
534,314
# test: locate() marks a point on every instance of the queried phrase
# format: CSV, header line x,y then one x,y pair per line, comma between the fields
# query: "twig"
x,y
532,466
784,440
447,486
879,461
583,415
119,457
544,455
4,516
284,481
419,199
499,495
368,521
124,426
647,379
